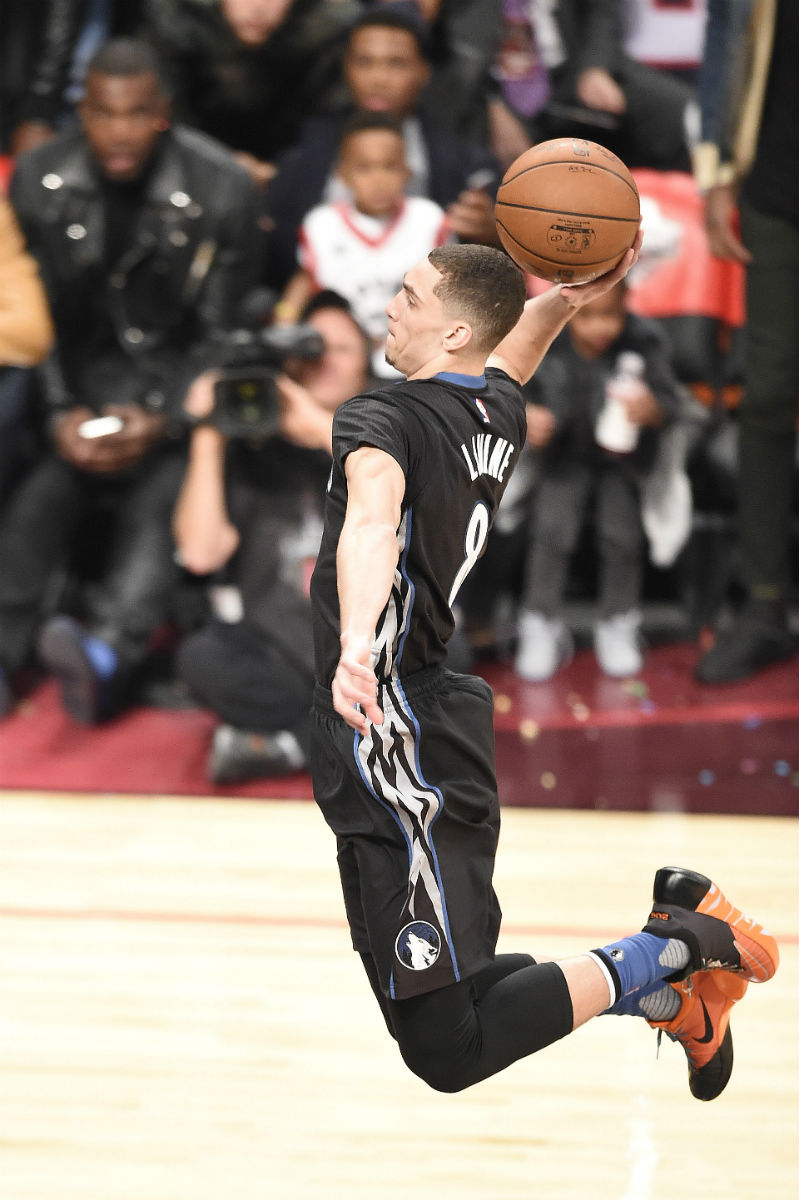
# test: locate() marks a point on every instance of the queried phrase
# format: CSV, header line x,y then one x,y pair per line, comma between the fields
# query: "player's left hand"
x,y
578,294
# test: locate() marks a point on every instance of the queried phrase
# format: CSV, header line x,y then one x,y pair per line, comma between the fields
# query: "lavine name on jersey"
x,y
487,455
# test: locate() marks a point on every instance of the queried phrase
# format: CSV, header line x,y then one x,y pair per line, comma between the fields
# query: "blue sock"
x,y
104,658
630,1005
634,962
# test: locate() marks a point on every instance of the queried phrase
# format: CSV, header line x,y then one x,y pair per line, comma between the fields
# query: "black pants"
x,y
767,414
561,500
651,132
50,508
415,812
459,1035
248,679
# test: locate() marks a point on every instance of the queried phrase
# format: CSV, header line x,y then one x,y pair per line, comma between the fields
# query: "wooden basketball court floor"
x,y
182,1018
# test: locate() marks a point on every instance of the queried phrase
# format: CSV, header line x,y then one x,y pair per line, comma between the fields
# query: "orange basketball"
x,y
567,210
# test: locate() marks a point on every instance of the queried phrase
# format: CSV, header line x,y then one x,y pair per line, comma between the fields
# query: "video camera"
x,y
246,398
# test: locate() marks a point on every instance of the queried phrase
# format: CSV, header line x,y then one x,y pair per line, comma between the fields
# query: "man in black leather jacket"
x,y
146,238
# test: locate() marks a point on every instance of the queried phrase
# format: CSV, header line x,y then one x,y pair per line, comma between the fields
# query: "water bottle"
x,y
614,429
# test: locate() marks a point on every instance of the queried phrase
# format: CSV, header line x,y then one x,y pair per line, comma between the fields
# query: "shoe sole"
x,y
758,950
60,650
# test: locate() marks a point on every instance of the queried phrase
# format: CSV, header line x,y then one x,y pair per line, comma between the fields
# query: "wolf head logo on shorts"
x,y
418,945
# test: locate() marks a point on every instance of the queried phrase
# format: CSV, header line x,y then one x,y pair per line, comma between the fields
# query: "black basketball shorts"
x,y
415,812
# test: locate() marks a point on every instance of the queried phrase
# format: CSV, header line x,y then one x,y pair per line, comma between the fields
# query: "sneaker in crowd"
x,y
758,638
617,642
86,667
545,644
702,1027
690,907
238,755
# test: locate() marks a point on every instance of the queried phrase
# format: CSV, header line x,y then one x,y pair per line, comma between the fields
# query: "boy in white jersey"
x,y
362,248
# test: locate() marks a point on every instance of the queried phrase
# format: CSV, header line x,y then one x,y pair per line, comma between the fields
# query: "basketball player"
x,y
402,754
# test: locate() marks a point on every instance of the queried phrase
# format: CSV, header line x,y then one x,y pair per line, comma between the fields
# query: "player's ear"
x,y
457,336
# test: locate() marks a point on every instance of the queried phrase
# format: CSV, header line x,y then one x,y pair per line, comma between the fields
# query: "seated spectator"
x,y
464,38
145,236
250,515
248,72
562,71
26,334
386,68
364,246
598,438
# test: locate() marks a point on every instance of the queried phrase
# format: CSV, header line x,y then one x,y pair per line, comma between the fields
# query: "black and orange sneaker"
x,y
702,1027
688,906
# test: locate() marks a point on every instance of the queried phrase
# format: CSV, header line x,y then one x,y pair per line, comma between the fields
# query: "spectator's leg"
x,y
142,574
654,132
768,411
258,690
35,536
760,634
556,524
15,388
620,541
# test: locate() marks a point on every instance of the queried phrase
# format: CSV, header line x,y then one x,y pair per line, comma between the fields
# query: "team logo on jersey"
x,y
418,946
481,408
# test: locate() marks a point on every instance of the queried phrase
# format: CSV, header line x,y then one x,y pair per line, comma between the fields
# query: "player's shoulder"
x,y
499,382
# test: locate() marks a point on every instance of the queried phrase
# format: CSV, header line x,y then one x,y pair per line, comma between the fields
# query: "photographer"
x,y
146,238
249,517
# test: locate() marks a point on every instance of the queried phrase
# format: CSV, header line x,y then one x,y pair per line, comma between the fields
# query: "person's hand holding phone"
x,y
109,443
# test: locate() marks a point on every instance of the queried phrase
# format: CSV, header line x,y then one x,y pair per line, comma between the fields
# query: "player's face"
x,y
254,21
385,71
417,322
122,116
373,167
596,326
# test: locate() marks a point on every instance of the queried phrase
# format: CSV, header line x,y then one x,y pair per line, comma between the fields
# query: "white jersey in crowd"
x,y
365,258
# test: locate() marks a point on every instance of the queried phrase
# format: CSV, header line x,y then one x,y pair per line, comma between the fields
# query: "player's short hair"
x,y
482,285
127,58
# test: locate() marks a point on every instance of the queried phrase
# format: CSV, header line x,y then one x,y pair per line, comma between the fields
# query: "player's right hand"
x,y
355,686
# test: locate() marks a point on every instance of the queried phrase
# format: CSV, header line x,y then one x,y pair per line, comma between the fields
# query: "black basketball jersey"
x,y
457,439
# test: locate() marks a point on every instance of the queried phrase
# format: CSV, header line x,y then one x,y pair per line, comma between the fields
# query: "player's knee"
x,y
437,1070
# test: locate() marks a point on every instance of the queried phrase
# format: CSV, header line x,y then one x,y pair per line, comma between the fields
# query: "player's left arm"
x,y
365,563
521,351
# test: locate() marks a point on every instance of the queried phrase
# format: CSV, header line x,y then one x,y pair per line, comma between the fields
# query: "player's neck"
x,y
451,364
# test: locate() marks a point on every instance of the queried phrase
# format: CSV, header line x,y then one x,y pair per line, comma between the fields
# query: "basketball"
x,y
567,210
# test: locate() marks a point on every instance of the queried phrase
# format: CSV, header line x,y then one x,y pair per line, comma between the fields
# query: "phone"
x,y
480,179
99,427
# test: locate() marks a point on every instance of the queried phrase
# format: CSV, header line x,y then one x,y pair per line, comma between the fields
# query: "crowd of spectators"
x,y
210,203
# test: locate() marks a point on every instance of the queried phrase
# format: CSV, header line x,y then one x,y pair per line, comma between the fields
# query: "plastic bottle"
x,y
614,430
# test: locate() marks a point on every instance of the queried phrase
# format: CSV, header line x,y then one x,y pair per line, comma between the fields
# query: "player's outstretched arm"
x,y
365,563
544,316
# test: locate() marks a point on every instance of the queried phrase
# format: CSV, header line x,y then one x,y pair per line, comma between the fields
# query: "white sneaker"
x,y
617,642
544,645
